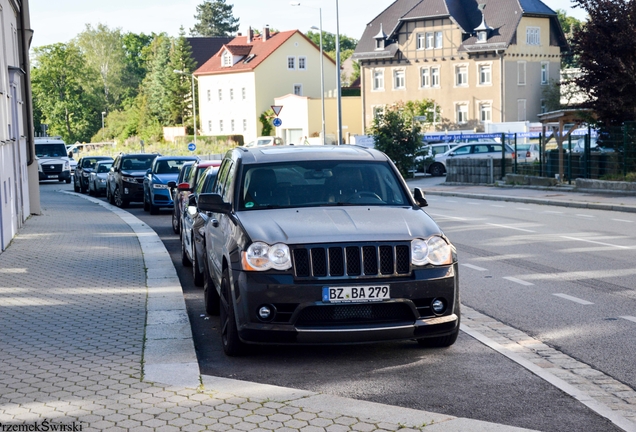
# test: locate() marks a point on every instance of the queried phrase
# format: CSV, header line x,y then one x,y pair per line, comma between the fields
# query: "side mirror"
x,y
172,184
148,171
183,187
211,202
419,197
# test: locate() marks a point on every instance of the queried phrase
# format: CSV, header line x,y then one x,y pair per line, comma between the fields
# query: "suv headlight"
x,y
260,256
67,165
129,179
434,250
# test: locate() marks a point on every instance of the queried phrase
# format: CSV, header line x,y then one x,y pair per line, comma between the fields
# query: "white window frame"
x,y
376,110
430,40
485,107
232,125
437,69
231,94
480,72
425,77
244,125
209,93
220,125
210,126
302,63
482,36
378,79
461,70
220,95
439,40
461,110
228,59
533,36
243,93
297,89
291,63
521,109
420,41
543,106
521,73
545,73
399,79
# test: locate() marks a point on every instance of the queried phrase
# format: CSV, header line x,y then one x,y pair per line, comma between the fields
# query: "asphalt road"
x,y
465,380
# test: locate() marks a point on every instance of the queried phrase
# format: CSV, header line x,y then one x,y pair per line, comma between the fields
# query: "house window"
x,y
243,93
461,111
298,89
420,41
461,76
533,36
378,79
485,75
244,125
302,63
521,110
438,39
398,79
231,94
485,113
227,59
425,77
378,111
429,40
220,94
482,36
291,63
435,79
220,125
209,93
544,108
545,72
210,126
232,125
521,73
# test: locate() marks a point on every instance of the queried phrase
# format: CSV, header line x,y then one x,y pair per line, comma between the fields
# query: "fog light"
x,y
126,191
438,306
264,313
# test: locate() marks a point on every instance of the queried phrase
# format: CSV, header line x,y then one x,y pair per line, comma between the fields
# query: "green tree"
x,y
104,53
214,18
59,78
135,68
155,86
570,25
329,42
398,136
180,88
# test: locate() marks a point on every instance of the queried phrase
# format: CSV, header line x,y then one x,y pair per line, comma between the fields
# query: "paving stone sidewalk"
x,y
89,314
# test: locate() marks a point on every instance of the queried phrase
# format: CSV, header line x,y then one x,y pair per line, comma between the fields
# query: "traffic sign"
x,y
277,109
277,122
192,147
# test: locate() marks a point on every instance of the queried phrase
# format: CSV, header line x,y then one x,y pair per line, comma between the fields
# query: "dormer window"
x,y
482,36
483,29
227,59
380,39
379,44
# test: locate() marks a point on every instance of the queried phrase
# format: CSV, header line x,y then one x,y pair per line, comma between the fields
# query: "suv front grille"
x,y
52,168
352,261
355,314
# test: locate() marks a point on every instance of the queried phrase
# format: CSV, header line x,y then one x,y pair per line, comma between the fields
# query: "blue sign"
x,y
277,122
192,146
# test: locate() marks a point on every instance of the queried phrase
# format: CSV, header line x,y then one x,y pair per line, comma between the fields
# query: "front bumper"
x,y
54,175
133,191
161,198
301,317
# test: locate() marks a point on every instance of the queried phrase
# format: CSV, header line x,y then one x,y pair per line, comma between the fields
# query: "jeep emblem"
x,y
52,167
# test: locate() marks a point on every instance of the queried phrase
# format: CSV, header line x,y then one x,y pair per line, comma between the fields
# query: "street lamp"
x,y
194,105
338,88
322,70
103,114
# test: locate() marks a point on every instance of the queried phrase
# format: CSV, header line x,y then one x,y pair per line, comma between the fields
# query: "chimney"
x,y
250,34
265,33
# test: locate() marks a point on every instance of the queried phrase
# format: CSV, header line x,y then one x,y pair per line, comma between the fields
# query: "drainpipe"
x,y
25,38
503,87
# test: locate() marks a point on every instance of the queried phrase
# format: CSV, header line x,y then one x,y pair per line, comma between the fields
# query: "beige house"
x,y
242,80
480,60
19,190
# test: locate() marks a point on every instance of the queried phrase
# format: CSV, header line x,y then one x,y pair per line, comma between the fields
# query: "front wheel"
x,y
232,345
197,275
176,226
184,256
146,204
210,295
437,170
440,341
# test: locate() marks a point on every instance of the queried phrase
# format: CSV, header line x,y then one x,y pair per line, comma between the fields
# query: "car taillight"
x,y
528,154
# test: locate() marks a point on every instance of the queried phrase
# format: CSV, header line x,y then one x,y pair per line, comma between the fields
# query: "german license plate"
x,y
356,294
52,176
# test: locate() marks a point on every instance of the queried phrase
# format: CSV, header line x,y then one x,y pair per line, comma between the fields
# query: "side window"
x,y
222,176
229,184
200,183
193,174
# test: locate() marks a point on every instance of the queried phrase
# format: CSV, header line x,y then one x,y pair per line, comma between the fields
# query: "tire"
x,y
83,188
91,192
68,180
109,196
119,200
197,275
440,341
76,188
210,295
232,345
437,169
184,256
176,224
146,204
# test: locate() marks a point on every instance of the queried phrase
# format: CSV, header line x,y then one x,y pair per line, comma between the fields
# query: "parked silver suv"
x,y
490,149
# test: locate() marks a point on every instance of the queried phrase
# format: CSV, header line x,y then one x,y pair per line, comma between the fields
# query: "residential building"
x,y
19,190
241,81
481,61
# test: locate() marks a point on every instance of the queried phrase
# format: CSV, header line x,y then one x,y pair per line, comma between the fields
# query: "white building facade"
x,y
17,155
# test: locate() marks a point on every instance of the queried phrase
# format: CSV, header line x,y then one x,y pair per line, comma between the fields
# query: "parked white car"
x,y
528,152
491,149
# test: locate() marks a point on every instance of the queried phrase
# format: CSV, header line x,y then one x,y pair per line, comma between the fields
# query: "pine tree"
x,y
180,87
214,18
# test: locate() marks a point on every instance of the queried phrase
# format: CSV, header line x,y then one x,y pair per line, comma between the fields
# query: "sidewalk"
x,y
564,196
95,334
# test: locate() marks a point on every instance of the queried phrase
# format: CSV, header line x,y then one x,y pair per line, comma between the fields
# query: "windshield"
x,y
319,183
104,167
137,163
50,150
167,166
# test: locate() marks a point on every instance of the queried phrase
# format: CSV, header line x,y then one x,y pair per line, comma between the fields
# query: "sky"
x,y
61,20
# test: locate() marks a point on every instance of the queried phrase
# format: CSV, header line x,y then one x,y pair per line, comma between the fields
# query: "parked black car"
x,y
83,170
125,181
313,245
192,220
